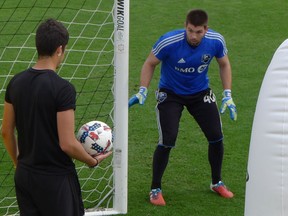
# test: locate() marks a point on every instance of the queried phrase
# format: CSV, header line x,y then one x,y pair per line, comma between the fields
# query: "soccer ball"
x,y
96,137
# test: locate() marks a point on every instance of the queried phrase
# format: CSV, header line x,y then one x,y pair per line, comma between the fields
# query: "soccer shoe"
x,y
156,197
221,189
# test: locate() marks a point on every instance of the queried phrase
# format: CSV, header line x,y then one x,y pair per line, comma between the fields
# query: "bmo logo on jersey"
x,y
200,69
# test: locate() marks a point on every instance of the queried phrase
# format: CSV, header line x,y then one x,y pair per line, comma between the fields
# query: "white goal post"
x,y
121,47
96,63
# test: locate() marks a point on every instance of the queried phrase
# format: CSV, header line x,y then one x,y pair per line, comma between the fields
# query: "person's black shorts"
x,y
47,195
202,106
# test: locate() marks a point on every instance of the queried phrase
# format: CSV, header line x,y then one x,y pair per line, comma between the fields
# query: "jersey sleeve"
x,y
159,50
9,89
167,43
7,93
221,49
66,98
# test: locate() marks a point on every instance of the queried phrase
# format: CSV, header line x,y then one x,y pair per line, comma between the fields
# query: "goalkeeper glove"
x,y
227,101
140,97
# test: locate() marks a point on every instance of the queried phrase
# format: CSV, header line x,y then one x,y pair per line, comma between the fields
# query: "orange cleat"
x,y
221,189
156,197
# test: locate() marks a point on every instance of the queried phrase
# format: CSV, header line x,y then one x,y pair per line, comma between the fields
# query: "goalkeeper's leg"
x,y
207,116
168,110
160,161
215,156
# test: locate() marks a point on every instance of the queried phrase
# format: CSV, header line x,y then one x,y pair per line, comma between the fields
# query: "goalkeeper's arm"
x,y
147,72
226,78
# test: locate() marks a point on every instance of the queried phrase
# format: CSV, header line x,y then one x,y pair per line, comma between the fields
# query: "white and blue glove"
x,y
227,101
140,97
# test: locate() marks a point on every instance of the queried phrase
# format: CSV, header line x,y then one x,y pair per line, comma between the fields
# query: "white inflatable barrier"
x,y
267,172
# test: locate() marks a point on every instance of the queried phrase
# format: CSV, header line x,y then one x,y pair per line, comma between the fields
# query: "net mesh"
x,y
88,65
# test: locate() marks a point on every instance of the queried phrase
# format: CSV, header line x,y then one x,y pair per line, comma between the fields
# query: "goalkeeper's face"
x,y
195,34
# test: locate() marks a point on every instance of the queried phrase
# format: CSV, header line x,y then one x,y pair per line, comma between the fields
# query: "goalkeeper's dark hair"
x,y
197,17
49,36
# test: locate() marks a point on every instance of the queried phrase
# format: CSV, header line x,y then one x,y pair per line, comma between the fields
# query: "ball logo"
x,y
93,135
108,144
97,147
106,128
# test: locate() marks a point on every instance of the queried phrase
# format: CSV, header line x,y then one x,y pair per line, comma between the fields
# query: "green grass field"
x,y
253,30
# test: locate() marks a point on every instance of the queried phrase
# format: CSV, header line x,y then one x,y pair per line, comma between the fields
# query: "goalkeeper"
x,y
185,56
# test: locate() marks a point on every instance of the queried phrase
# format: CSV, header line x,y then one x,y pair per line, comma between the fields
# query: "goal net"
x,y
96,63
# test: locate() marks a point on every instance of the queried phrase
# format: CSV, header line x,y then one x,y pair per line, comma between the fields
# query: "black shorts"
x,y
202,106
47,195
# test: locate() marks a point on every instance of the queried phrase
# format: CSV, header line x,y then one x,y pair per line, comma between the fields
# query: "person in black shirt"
x,y
40,105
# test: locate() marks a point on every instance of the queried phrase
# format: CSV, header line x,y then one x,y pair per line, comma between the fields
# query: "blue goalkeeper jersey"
x,y
184,68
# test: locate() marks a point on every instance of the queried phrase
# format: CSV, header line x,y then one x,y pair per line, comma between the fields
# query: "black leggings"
x,y
203,108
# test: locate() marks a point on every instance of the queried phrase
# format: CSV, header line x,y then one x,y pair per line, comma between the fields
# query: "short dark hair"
x,y
197,17
49,36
